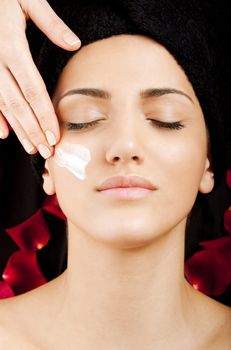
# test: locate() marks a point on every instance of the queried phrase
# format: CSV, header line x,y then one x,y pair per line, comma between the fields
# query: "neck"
x,y
120,293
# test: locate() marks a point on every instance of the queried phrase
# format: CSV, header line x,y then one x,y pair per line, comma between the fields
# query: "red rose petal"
x,y
23,273
51,205
221,245
227,220
208,271
32,234
228,177
5,290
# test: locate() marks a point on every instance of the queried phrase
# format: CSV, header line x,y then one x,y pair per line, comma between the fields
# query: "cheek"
x,y
70,191
74,158
185,157
179,164
70,172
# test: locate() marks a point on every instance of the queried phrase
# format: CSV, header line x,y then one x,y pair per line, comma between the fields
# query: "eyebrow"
x,y
163,91
144,94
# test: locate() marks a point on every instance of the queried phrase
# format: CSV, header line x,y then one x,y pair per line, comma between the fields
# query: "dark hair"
x,y
185,31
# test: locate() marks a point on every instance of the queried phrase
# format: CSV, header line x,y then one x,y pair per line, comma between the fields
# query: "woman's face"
x,y
146,90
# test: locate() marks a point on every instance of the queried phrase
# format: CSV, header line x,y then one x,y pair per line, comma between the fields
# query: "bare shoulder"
x,y
21,316
210,321
13,321
9,333
222,338
215,321
11,341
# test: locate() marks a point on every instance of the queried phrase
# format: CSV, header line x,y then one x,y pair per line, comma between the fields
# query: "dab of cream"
x,y
73,157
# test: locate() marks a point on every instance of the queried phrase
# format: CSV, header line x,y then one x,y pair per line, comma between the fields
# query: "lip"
x,y
127,193
120,182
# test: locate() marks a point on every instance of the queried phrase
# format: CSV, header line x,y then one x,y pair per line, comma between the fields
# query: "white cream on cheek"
x,y
73,157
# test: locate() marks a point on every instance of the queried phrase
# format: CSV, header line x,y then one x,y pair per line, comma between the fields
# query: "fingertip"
x,y
4,134
74,47
33,152
71,40
28,146
51,138
58,137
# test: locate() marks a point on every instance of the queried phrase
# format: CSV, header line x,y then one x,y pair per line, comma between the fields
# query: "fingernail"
x,y
1,134
71,39
27,145
44,151
50,138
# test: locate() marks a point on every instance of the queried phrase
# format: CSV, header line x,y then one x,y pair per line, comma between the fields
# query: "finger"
x,y
35,93
45,18
21,135
4,131
20,116
23,138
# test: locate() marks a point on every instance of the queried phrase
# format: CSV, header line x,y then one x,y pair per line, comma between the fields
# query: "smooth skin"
x,y
24,101
124,287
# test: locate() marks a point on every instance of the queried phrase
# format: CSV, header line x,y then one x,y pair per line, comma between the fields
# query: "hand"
x,y
24,100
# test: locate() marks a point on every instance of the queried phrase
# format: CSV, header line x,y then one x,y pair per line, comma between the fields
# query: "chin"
x,y
126,235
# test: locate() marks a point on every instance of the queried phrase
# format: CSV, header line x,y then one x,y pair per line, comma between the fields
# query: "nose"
x,y
125,147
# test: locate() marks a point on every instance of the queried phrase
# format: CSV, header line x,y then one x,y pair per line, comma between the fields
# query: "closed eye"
x,y
166,125
78,126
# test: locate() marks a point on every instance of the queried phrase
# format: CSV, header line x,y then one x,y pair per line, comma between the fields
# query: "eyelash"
x,y
159,124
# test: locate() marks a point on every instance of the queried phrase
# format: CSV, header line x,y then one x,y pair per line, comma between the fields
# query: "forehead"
x,y
125,63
